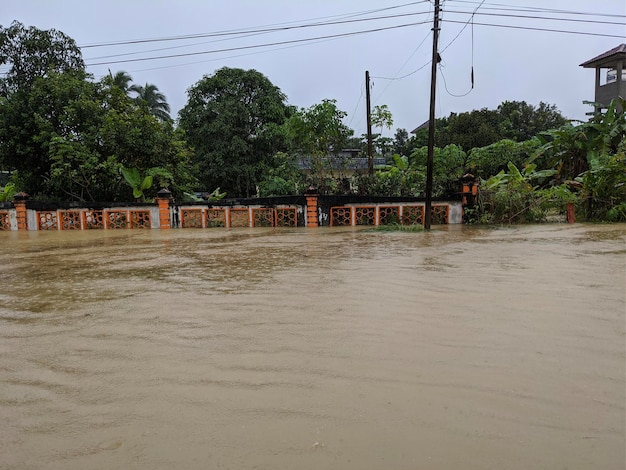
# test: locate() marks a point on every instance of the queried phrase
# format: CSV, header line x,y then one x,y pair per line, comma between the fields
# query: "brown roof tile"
x,y
606,58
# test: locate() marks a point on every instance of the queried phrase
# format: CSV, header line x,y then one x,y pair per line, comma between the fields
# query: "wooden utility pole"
x,y
370,151
431,123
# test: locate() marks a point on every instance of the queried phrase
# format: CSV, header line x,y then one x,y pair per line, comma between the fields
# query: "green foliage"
x,y
216,195
514,197
449,164
60,105
604,188
401,142
284,178
154,100
488,161
469,130
521,122
79,173
396,227
7,193
512,120
395,179
382,117
571,148
233,119
318,130
141,183
32,53
67,137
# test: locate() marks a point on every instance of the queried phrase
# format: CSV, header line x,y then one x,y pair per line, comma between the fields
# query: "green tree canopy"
x,y
233,120
122,80
513,120
150,96
31,53
521,121
318,130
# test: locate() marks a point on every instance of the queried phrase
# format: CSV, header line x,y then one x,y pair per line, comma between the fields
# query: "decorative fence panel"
x,y
285,211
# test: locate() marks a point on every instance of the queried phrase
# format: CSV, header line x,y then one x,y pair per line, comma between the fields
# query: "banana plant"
x,y
7,193
140,183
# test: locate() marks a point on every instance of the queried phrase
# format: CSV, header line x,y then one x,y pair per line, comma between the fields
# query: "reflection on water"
x,y
331,348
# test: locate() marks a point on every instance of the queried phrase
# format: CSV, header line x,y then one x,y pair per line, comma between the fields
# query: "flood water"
x,y
335,348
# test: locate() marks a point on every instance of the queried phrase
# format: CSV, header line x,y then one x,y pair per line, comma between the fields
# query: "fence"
x,y
309,210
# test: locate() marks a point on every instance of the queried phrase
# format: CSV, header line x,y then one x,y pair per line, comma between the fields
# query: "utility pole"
x,y
431,123
370,152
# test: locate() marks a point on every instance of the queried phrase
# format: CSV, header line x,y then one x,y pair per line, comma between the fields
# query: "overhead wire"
x,y
255,46
535,17
256,32
400,69
267,28
507,7
550,30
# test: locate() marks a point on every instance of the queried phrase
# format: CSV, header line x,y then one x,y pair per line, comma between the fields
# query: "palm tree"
x,y
154,99
122,80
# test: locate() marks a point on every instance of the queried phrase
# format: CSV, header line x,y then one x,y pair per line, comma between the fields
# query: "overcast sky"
x,y
509,63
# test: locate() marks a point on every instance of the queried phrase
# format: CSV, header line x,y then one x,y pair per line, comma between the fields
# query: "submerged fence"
x,y
309,210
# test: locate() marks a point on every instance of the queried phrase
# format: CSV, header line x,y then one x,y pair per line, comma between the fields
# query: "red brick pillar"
x,y
571,218
311,208
21,214
164,197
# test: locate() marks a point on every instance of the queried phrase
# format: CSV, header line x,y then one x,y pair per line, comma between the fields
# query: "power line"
x,y
253,32
445,85
231,56
256,46
528,28
537,9
276,27
357,105
547,18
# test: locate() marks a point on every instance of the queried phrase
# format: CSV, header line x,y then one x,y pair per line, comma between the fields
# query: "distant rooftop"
x,y
607,59
339,162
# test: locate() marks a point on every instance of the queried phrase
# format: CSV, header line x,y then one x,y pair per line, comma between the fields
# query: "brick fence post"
x,y
164,197
570,217
311,207
21,214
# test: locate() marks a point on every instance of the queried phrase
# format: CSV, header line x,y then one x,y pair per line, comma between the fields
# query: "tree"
x,y
401,142
514,120
58,105
122,80
31,53
381,117
522,121
233,121
28,117
154,100
66,137
571,148
317,134
318,130
491,159
468,130
449,165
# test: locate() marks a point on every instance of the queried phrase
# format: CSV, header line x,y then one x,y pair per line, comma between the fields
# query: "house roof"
x,y
607,59
339,162
423,125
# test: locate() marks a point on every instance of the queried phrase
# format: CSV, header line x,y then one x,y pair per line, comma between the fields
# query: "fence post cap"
x,y
164,194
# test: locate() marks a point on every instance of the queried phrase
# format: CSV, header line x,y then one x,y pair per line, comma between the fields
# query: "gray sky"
x,y
509,64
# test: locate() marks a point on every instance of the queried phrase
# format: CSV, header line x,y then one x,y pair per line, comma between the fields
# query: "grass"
x,y
398,228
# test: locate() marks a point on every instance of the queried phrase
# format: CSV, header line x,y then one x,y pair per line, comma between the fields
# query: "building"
x,y
610,75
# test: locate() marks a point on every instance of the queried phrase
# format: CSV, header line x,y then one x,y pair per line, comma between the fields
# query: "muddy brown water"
x,y
337,348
